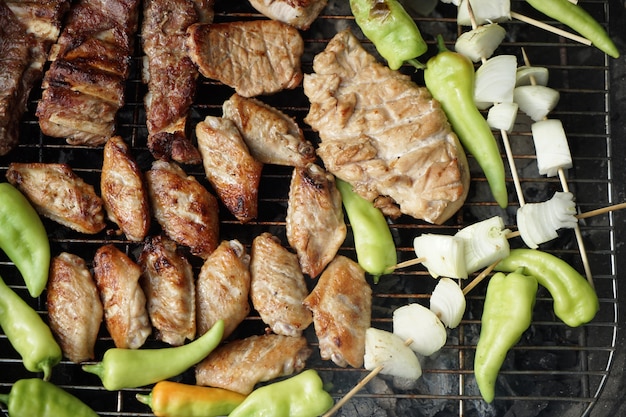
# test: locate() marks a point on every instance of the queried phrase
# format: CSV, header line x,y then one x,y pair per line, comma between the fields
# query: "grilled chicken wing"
x,y
300,13
239,365
169,285
315,225
254,57
186,211
123,190
59,194
384,135
171,75
74,307
229,167
278,286
222,288
125,315
272,136
342,305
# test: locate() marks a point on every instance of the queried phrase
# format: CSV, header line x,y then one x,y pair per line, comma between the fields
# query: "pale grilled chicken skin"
x,y
186,211
272,136
84,85
384,134
297,13
229,167
125,314
58,193
123,190
241,364
315,224
223,287
278,287
254,57
169,285
170,74
342,305
74,308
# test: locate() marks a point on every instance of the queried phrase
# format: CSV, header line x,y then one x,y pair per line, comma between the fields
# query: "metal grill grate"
x,y
554,370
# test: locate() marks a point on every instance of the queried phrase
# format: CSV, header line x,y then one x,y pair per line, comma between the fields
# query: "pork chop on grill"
x,y
384,134
298,13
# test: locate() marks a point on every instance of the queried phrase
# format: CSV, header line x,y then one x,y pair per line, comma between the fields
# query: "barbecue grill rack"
x,y
553,371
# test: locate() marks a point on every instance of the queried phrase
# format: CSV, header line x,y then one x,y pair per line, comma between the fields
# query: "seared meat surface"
x,y
278,286
315,225
186,211
384,135
223,287
74,308
229,167
125,315
253,57
239,365
271,135
123,190
169,285
342,305
297,13
59,194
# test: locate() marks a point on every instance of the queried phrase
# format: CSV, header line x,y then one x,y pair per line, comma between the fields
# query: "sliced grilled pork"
x,y
229,167
298,13
84,86
315,223
254,57
271,135
384,134
170,74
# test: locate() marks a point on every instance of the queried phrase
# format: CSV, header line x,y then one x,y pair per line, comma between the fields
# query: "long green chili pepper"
x,y
302,395
29,335
450,77
133,368
578,19
23,238
575,300
38,398
374,245
507,314
391,29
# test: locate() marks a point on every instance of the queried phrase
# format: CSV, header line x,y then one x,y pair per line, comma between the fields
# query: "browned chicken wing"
x,y
229,167
74,307
254,57
272,136
59,194
169,285
278,286
342,305
239,365
123,190
315,225
298,13
125,315
186,211
223,287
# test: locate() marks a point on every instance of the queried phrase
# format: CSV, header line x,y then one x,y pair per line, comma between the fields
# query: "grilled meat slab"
x,y
384,134
297,13
253,57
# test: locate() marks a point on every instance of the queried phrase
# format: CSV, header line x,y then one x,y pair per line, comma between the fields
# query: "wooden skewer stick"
x,y
550,28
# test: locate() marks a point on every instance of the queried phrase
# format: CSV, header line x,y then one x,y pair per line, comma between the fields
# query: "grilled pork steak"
x,y
298,13
384,134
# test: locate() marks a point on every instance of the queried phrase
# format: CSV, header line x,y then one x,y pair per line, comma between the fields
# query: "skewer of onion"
x,y
480,42
539,222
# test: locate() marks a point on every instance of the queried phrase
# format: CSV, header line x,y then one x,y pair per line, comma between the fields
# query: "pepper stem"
x,y
4,399
96,369
414,62
145,399
441,45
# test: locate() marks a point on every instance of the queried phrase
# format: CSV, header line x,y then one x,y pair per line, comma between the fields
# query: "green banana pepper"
x,y
133,368
29,335
507,314
450,77
302,395
24,239
578,19
38,398
575,300
374,245
391,29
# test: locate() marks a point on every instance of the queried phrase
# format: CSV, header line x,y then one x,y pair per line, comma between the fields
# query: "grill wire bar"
x,y
553,370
